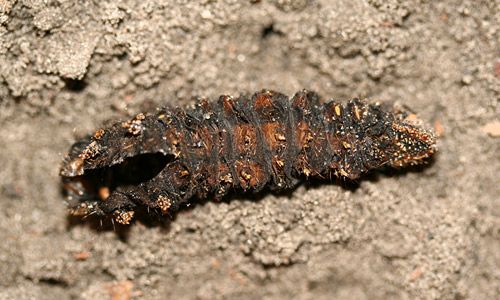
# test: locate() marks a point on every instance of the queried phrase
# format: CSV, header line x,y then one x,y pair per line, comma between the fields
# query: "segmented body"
x,y
246,144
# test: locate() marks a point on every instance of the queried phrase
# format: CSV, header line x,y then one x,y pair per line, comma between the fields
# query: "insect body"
x,y
163,159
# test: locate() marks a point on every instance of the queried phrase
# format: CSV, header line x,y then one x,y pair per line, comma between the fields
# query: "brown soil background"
x,y
68,66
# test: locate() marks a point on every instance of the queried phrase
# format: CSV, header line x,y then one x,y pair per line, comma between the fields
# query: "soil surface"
x,y
66,67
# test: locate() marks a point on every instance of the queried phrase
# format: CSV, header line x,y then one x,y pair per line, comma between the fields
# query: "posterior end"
x,y
415,142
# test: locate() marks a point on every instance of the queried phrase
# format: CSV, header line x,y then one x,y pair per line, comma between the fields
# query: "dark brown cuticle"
x,y
163,159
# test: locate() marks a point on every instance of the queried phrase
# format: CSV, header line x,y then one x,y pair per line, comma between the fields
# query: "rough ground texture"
x,y
68,66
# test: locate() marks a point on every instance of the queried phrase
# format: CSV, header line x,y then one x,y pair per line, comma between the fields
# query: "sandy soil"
x,y
68,66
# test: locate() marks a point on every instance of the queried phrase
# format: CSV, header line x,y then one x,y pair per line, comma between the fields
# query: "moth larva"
x,y
163,159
